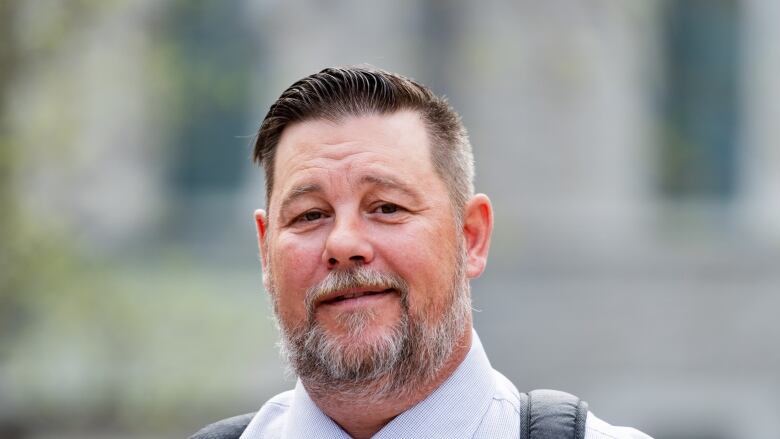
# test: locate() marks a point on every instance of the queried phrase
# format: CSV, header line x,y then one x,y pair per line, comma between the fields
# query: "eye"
x,y
312,215
388,208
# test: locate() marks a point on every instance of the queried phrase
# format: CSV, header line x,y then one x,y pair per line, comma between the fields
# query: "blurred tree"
x,y
33,255
87,341
40,268
10,308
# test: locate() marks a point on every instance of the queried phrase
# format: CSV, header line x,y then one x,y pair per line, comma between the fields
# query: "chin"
x,y
362,326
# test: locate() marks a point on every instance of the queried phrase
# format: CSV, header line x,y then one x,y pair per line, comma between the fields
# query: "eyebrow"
x,y
386,182
297,192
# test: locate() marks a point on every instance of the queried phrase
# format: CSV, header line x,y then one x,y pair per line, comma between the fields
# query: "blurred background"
x,y
631,150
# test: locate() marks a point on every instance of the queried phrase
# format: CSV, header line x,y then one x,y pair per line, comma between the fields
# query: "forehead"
x,y
394,143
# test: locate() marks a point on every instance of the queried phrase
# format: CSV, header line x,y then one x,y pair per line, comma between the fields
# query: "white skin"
x,y
363,190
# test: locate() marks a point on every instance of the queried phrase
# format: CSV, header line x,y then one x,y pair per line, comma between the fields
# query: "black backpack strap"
x,y
230,428
550,414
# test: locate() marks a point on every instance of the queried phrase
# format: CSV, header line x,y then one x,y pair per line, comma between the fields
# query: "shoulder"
x,y
505,410
502,416
269,419
595,428
230,428
506,394
278,405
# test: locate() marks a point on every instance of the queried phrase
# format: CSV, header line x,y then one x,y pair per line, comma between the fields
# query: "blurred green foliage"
x,y
95,342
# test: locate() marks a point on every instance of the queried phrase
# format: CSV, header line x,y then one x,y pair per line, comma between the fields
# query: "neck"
x,y
362,414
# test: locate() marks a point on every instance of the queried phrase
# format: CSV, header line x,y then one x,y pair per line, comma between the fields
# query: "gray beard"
x,y
410,354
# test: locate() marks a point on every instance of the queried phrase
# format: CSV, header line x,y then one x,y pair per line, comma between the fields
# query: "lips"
x,y
353,294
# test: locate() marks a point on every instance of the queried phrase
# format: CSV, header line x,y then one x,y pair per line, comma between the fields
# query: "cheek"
x,y
425,258
294,264
296,257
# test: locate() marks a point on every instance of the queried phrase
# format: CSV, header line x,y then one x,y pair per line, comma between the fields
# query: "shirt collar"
x,y
453,410
306,420
456,408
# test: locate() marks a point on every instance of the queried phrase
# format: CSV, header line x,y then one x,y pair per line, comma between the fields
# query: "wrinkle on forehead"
x,y
331,157
352,134
395,144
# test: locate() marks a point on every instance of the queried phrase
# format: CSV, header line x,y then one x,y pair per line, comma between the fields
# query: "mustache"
x,y
360,276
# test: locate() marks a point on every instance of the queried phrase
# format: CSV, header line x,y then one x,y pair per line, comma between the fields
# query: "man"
x,y
371,235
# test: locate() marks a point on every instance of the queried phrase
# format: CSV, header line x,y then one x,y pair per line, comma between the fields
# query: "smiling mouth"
x,y
357,295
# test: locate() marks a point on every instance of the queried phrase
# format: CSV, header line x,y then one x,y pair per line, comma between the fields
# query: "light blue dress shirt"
x,y
475,402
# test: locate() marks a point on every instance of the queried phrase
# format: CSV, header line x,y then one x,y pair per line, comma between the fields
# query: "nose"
x,y
347,244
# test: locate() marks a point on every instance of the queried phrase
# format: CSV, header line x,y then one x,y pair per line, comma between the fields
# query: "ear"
x,y
477,228
261,222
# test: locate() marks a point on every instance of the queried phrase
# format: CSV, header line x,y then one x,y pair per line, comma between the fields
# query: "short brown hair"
x,y
338,92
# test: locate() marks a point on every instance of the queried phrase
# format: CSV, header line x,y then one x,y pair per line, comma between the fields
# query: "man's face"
x,y
362,194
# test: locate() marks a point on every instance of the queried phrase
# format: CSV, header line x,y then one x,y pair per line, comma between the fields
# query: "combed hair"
x,y
339,92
